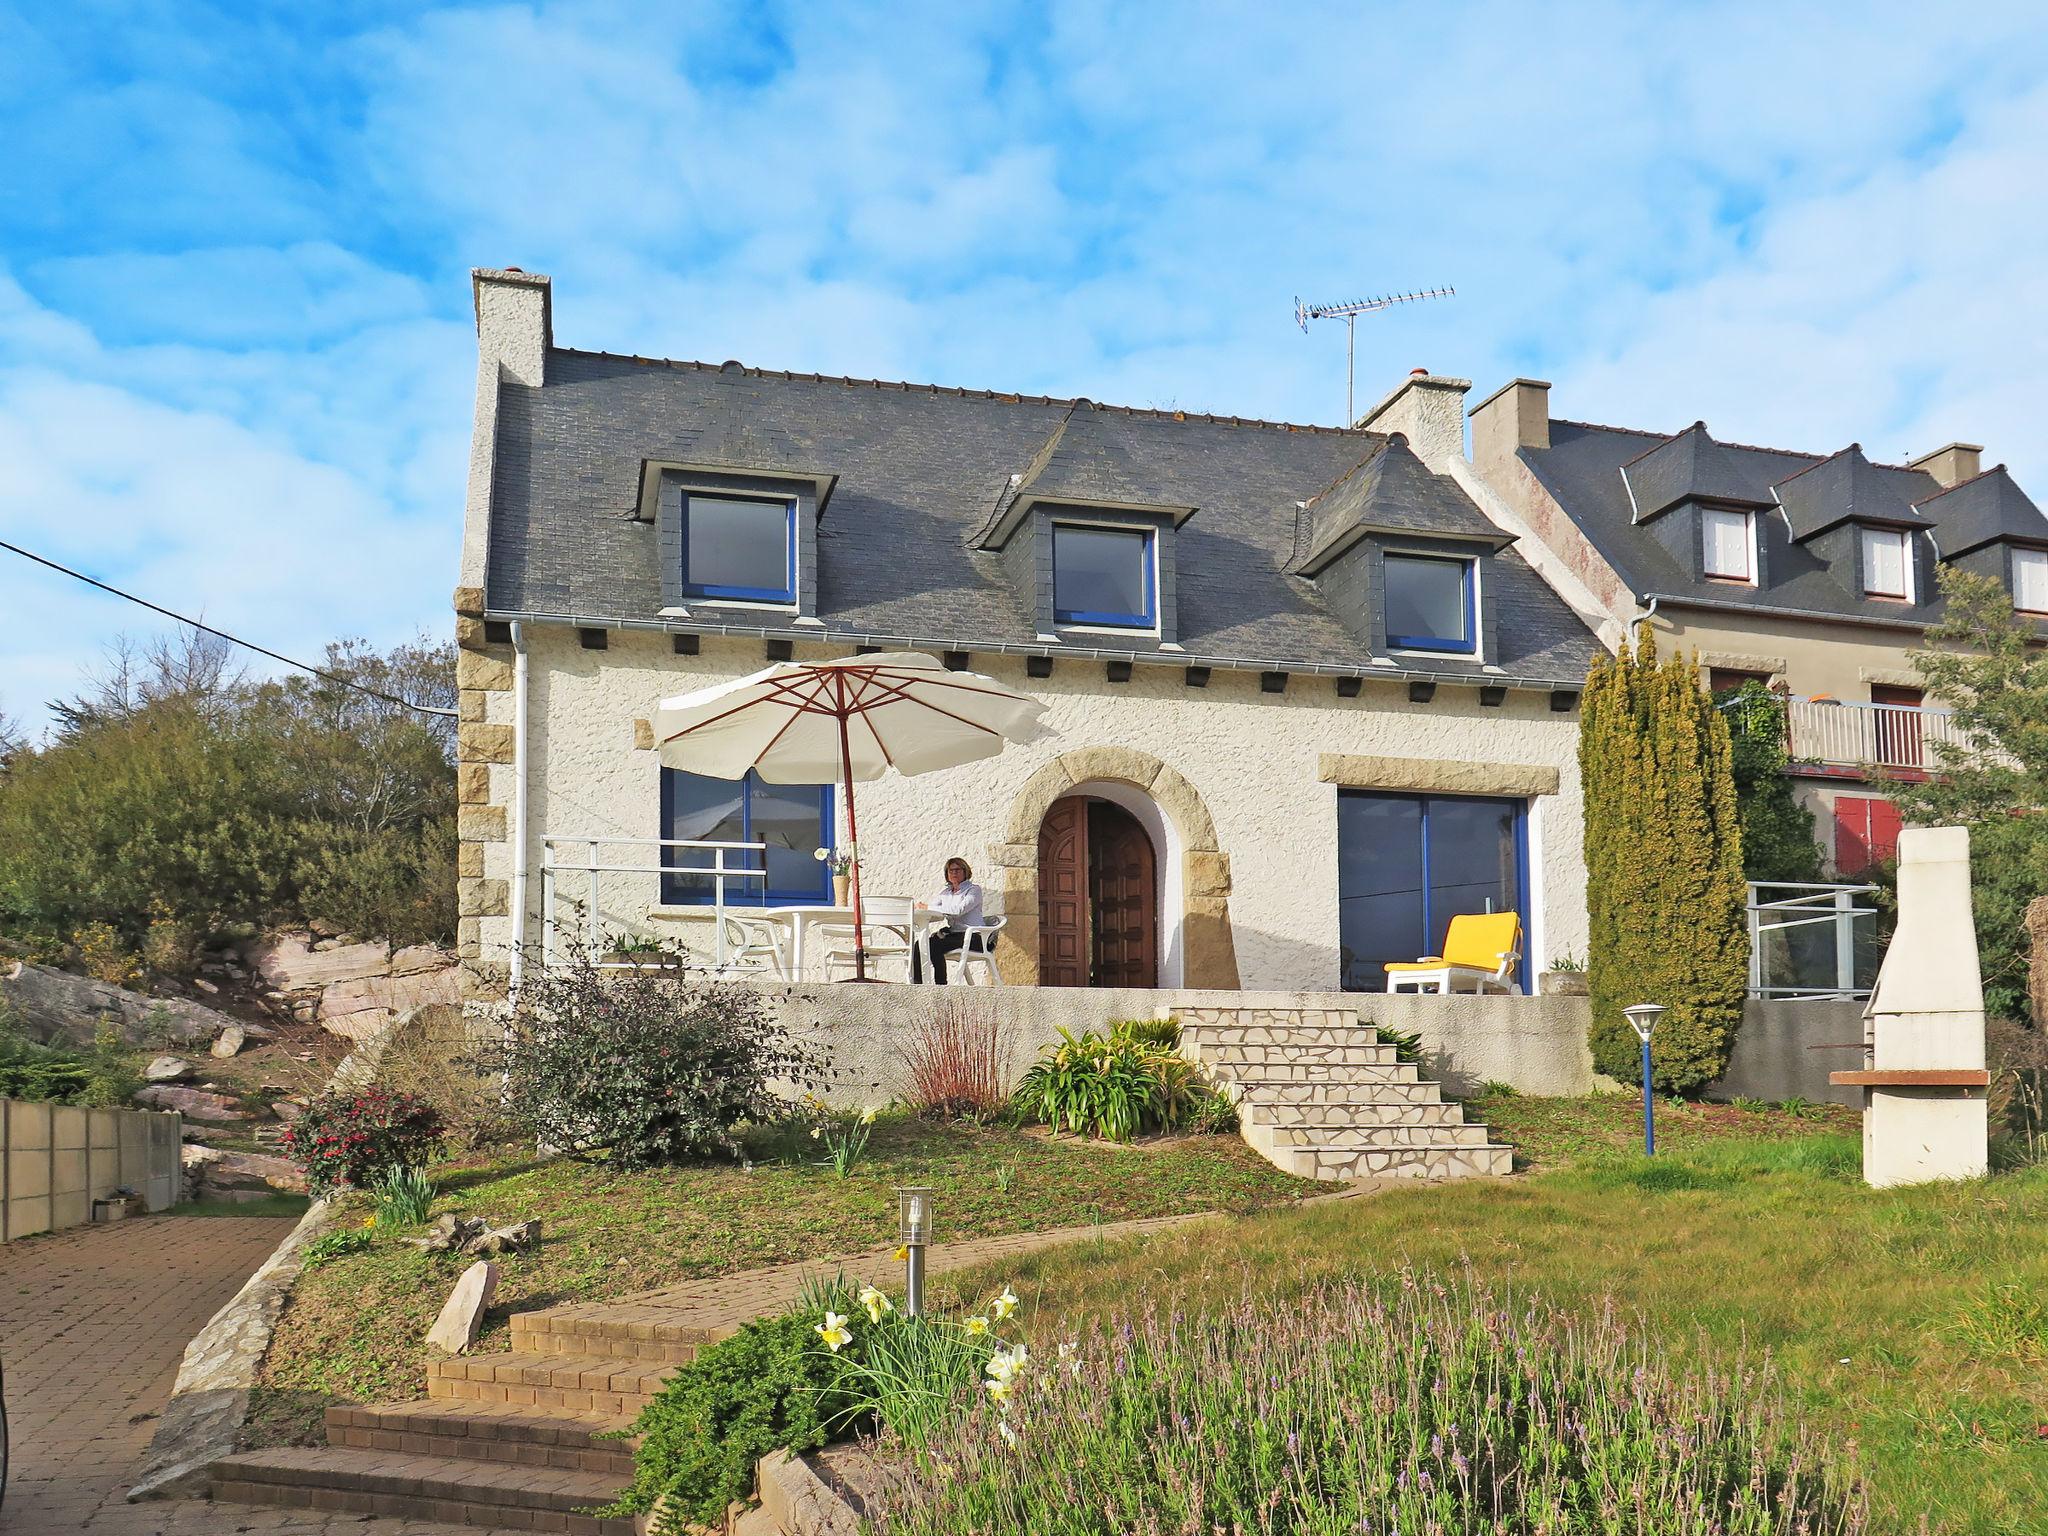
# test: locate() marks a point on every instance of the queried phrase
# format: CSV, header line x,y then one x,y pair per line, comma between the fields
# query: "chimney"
x,y
1428,410
1515,416
514,322
1952,465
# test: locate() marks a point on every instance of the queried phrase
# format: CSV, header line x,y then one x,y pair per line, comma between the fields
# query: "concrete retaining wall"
x,y
55,1160
1538,1044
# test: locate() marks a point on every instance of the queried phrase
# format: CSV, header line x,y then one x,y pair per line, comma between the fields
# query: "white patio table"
x,y
800,920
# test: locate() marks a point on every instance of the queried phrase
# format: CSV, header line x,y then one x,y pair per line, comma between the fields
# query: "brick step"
x,y
623,1332
1279,1034
1364,1113
1376,1136
454,1492
589,1384
493,1432
1379,1086
1360,1162
1292,1053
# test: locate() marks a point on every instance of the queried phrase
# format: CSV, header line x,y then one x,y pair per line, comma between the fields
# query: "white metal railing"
x,y
1811,941
1866,735
612,898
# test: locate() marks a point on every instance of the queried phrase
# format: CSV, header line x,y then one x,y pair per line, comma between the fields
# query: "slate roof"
x,y
1583,469
1392,491
1691,466
1843,487
1989,506
920,472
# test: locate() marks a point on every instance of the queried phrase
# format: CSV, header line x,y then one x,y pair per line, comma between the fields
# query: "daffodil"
x,y
817,1132
1004,1304
1006,1364
875,1303
834,1331
998,1390
1003,1429
900,1253
867,1116
977,1326
1070,1357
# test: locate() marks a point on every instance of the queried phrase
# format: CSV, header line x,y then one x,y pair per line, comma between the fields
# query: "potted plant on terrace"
x,y
841,860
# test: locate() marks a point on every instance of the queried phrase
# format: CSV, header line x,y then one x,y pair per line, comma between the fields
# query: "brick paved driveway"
x,y
92,1324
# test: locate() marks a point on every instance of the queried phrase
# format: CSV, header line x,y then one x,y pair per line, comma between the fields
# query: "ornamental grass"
x,y
1410,1407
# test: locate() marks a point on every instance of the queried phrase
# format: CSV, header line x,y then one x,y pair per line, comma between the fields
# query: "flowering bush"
x,y
1409,1407
355,1138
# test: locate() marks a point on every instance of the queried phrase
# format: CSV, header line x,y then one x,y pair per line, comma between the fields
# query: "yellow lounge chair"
x,y
1481,948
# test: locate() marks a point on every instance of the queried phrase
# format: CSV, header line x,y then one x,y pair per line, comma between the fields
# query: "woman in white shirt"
x,y
960,904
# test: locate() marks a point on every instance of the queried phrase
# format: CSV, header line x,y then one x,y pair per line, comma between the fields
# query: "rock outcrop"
x,y
56,1007
352,990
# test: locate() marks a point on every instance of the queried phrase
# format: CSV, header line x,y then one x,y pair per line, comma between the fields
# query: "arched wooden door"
x,y
1098,897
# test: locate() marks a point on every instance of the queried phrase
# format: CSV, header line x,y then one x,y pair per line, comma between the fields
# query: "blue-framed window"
x,y
1430,603
740,547
794,820
1407,864
1104,576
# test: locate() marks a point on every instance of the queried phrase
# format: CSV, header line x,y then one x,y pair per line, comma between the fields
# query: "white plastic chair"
x,y
981,940
756,944
888,923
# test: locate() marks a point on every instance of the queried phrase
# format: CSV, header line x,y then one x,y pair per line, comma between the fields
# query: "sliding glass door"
x,y
1408,864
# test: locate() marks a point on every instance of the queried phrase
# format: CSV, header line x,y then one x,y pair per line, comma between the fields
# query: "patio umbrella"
x,y
859,718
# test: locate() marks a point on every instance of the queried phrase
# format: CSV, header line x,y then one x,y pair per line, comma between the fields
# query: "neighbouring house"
x,y
1813,573
1310,699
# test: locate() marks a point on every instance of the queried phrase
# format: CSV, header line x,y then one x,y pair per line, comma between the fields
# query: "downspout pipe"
x,y
519,850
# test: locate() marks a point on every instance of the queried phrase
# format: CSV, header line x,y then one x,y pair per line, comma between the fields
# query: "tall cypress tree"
x,y
1664,887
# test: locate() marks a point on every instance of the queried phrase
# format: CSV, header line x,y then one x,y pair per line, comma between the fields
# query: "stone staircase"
x,y
509,1441
1319,1094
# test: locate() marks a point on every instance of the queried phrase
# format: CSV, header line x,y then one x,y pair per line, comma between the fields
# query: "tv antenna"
x,y
1349,313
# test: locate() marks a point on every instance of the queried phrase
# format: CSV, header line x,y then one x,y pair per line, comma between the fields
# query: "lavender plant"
x,y
1414,1408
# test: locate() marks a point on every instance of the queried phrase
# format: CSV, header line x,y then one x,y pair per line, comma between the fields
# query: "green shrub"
x,y
357,1137
404,1195
1409,1406
98,1077
1777,831
1407,1043
1118,1085
1666,901
770,1386
332,1245
642,1064
1164,1033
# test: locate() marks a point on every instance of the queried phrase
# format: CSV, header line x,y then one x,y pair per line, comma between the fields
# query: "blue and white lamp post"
x,y
1643,1020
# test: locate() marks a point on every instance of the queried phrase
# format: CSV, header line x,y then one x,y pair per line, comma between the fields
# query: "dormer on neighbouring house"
x,y
1990,526
1403,557
1702,504
1859,521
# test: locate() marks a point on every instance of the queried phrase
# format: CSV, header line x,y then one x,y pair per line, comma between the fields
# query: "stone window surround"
x,y
1436,775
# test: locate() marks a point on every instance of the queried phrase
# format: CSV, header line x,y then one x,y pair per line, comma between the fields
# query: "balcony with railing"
x,y
1897,737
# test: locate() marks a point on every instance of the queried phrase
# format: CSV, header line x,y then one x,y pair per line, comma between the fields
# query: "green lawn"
x,y
1550,1133
1909,1326
355,1325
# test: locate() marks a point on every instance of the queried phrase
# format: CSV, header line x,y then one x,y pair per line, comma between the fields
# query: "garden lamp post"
x,y
1642,1018
914,1225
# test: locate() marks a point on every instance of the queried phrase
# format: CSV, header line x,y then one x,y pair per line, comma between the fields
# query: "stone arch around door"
x,y
1207,951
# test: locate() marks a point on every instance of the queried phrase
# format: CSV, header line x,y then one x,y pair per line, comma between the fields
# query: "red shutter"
x,y
1866,832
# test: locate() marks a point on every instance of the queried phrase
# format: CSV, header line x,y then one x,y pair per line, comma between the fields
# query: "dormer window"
x,y
1431,603
1887,558
739,548
1105,577
2030,580
1728,544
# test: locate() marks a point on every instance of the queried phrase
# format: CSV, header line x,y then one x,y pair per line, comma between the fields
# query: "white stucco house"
x,y
1308,699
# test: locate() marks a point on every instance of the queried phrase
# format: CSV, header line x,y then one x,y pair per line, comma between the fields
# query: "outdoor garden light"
x,y
914,1226
1642,1018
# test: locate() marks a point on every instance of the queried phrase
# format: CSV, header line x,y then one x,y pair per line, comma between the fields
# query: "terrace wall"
x,y
1537,1044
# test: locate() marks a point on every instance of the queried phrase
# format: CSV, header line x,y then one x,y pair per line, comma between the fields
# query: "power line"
x,y
247,645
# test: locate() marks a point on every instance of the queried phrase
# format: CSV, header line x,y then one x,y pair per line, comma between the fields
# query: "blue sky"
x,y
236,355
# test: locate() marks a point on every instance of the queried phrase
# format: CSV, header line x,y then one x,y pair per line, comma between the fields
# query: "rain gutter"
x,y
1375,670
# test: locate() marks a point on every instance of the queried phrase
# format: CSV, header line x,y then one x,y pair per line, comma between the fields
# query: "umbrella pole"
x,y
860,942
